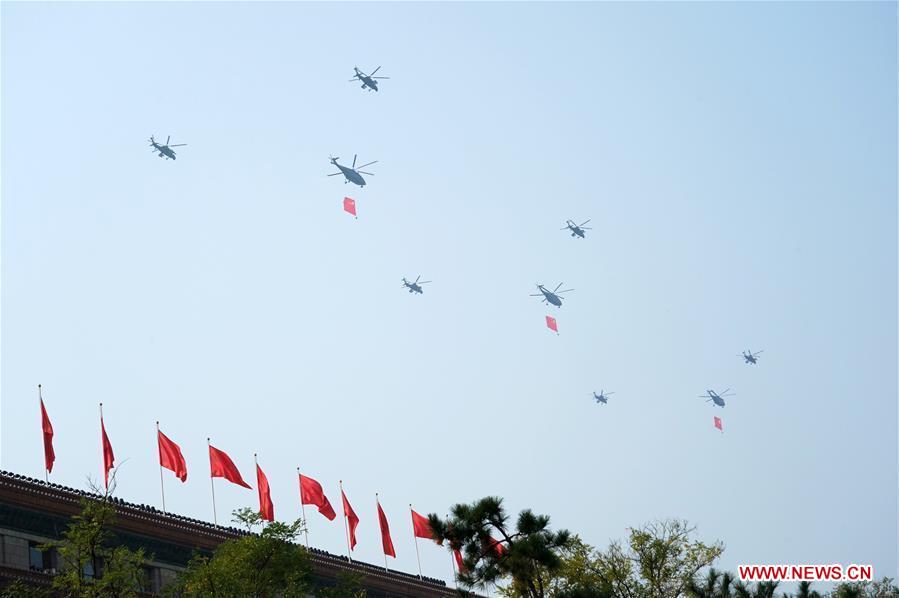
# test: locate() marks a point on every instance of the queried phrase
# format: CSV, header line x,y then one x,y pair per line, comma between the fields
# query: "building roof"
x,y
142,524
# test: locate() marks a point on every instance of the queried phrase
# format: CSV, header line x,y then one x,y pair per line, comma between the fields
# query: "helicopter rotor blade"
x,y
363,172
537,295
335,174
424,282
585,222
565,291
416,279
557,288
354,160
364,165
375,71
380,77
178,145
167,139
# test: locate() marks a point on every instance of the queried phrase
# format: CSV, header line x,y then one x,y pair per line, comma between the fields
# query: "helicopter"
x,y
351,173
750,357
602,397
577,230
165,150
551,296
415,286
368,81
716,397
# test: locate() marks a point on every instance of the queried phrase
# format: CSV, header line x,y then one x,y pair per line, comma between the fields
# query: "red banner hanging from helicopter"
x,y
349,205
551,324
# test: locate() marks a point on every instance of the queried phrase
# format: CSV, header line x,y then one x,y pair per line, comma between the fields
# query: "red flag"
x,y
458,554
386,542
349,205
551,324
718,423
170,456
221,466
108,456
350,514
311,493
497,547
47,428
266,508
421,527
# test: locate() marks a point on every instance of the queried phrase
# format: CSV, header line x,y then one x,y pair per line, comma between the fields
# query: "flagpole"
x,y
346,528
303,509
378,504
41,401
103,451
256,463
453,560
415,537
212,482
161,485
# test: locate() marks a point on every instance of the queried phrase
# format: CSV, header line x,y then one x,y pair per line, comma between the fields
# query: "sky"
x,y
737,162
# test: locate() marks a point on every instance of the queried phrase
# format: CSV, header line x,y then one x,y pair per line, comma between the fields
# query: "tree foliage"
x,y
576,577
885,588
349,585
267,564
715,585
492,550
91,563
20,589
661,560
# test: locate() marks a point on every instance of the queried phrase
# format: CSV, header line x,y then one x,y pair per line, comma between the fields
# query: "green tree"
x,y
267,564
715,585
91,563
763,589
492,550
660,560
576,576
805,590
19,589
349,585
885,588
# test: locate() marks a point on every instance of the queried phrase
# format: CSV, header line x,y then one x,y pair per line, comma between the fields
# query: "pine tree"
x,y
492,550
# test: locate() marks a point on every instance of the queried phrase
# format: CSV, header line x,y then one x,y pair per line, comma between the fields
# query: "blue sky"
x,y
738,162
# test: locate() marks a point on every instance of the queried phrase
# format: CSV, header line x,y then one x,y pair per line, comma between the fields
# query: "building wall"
x,y
33,513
